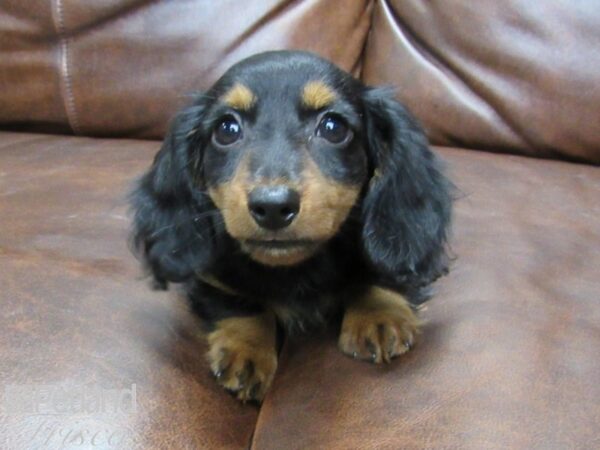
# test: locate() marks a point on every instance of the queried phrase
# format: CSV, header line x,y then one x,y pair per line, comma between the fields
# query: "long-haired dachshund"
x,y
290,193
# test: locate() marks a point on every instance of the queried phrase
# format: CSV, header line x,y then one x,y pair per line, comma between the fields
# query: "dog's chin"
x,y
279,252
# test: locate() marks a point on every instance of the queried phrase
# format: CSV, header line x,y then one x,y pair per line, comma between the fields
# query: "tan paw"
x,y
243,356
378,326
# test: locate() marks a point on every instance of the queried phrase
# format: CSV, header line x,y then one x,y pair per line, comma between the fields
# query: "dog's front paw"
x,y
378,326
243,355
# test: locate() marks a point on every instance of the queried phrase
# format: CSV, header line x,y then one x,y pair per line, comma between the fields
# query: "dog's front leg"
x,y
243,354
378,325
242,340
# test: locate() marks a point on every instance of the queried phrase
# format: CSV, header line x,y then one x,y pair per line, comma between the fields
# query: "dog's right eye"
x,y
227,131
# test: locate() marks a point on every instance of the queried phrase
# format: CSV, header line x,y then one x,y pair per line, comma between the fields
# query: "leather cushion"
x,y
513,75
123,68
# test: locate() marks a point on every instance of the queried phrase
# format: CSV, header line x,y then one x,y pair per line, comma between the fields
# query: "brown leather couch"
x,y
509,92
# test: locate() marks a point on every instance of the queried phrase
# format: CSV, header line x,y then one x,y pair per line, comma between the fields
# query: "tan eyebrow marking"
x,y
239,97
316,95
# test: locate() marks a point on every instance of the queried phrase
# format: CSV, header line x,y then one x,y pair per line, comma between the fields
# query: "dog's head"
x,y
282,150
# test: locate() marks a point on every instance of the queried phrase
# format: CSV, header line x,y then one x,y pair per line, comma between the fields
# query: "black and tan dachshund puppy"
x,y
290,193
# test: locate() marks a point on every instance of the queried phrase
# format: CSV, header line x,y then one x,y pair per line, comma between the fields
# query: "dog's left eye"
x,y
227,131
333,128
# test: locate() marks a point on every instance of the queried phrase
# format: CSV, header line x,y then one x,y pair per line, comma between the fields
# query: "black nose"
x,y
274,207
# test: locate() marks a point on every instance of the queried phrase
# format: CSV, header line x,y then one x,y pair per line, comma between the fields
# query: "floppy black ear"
x,y
406,210
172,227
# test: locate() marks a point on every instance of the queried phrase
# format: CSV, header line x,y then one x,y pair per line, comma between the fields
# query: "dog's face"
x,y
283,150
285,161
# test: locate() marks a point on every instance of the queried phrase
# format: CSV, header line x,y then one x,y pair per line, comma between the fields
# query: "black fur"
x,y
172,227
407,209
395,235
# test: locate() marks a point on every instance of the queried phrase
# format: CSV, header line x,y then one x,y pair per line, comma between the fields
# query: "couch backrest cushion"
x,y
507,75
513,75
123,67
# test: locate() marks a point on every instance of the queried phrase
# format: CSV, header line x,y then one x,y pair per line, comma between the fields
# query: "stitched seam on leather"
x,y
436,60
65,75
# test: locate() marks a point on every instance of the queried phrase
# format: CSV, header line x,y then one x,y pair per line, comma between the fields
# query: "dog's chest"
x,y
299,316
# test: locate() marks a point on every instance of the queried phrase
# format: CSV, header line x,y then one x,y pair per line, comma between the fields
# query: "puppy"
x,y
291,193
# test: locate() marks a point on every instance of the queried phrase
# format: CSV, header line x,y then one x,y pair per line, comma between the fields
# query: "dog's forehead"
x,y
311,92
306,81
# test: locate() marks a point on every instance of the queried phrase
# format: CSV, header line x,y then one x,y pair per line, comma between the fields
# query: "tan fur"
x,y
231,198
317,95
239,97
325,203
324,206
280,256
243,354
378,326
